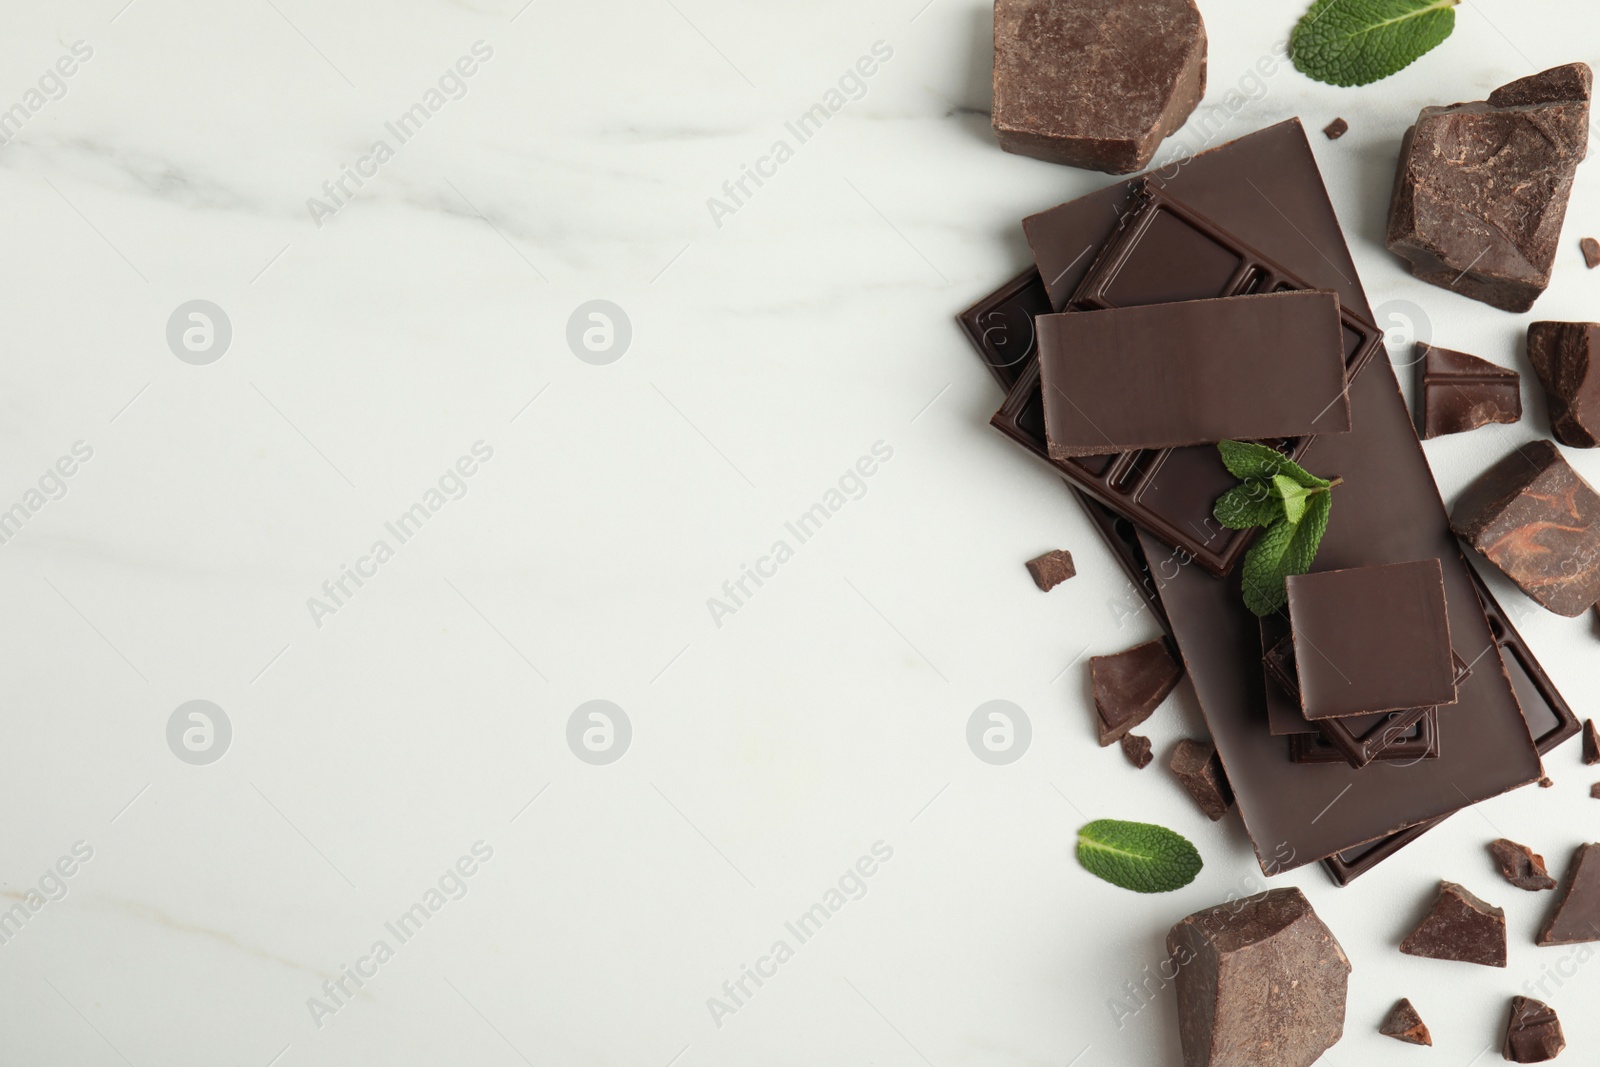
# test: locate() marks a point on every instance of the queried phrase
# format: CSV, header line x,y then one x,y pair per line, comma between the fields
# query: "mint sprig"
x,y
1291,502
1354,42
1139,856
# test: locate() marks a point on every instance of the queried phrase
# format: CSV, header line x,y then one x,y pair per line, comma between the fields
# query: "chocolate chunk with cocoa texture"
x,y
1095,83
1460,927
1521,865
1591,252
1482,187
1532,516
1591,743
1563,356
1457,392
1576,917
1051,569
1199,770
1335,129
1533,1033
1404,1024
1546,782
1594,791
1260,981
1130,685
1137,749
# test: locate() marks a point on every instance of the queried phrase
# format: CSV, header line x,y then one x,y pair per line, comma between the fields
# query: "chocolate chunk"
x,y
1521,865
1460,927
1561,356
1137,749
1335,129
1546,782
1095,83
1051,569
1591,252
1199,770
1130,685
1260,981
1532,516
1591,743
1482,188
1594,791
1404,1024
1457,392
1533,1033
1576,917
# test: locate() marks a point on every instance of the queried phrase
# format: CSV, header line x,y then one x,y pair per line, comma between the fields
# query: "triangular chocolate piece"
x,y
1460,927
1577,914
1457,392
1404,1024
1533,1033
1591,743
1130,685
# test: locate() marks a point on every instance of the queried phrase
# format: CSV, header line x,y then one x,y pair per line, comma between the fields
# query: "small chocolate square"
x,y
1051,569
1335,129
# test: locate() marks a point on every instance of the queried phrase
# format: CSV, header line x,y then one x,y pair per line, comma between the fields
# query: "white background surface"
x,y
768,354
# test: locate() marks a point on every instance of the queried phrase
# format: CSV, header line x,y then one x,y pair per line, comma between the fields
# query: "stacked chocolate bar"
x,y
1216,298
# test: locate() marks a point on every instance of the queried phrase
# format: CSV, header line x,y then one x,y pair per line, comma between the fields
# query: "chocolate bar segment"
x,y
1000,326
1457,392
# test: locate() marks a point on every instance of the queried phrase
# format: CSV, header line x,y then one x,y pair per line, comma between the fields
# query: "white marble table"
x,y
405,730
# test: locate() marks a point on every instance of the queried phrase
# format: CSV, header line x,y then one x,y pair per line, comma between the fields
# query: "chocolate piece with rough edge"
x,y
1566,357
1482,188
1404,1024
1594,791
1137,749
1457,392
1533,1033
1097,84
1532,516
1336,129
1521,865
1576,916
1591,743
1460,927
1129,686
1000,326
1260,980
1591,252
1051,569
1199,771
1547,782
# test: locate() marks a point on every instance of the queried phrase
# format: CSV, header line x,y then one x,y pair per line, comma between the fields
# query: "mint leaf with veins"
x,y
1139,856
1245,505
1293,504
1246,460
1355,42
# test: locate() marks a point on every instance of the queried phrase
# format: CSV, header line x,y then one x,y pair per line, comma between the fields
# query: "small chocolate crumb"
x,y
1129,686
1594,791
1137,749
1404,1024
1336,129
1199,770
1460,927
1521,866
1591,252
1051,569
1533,1033
1591,743
1546,783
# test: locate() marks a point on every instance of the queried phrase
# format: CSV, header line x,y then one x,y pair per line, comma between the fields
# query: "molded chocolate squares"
x,y
1561,354
1457,392
1095,83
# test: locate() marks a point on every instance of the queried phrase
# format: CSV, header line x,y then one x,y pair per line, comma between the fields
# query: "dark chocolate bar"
x,y
1000,325
1389,742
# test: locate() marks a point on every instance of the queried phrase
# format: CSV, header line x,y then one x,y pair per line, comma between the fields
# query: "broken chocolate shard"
x,y
1335,129
1199,770
1482,188
1591,252
1566,357
1137,749
1521,865
1051,569
1460,927
1259,980
1457,392
1129,686
1533,1033
1097,84
1591,743
1404,1024
1576,917
1532,516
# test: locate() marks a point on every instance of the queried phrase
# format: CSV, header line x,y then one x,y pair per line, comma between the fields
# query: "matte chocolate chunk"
x,y
1137,749
1404,1024
1130,685
1591,743
1546,782
1562,354
1457,392
1591,252
1576,917
1051,569
1335,129
1482,188
1199,770
1196,372
1260,981
1371,639
1532,516
1095,83
1460,927
1594,791
1521,865
1533,1033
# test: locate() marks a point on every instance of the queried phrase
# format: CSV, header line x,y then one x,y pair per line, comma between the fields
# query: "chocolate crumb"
x,y
1137,749
1199,770
1546,782
1591,252
1404,1024
1051,569
1591,743
1521,866
1594,791
1460,927
1533,1033
1336,129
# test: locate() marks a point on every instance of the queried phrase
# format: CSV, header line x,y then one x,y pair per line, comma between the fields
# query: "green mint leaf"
x,y
1293,495
1308,538
1139,856
1246,460
1285,548
1354,42
1248,504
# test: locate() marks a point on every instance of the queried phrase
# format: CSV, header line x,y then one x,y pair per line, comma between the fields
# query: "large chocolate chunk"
x,y
1532,516
1457,392
1577,914
1404,1024
1560,354
1460,927
1482,188
1130,685
1260,981
1533,1033
1521,865
1199,770
1095,83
